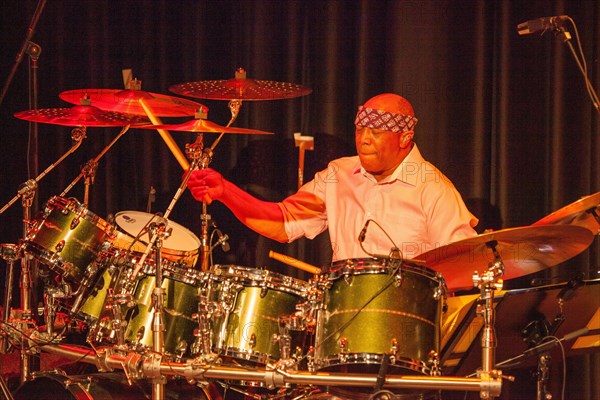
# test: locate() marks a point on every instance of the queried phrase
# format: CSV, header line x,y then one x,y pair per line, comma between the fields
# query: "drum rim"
x,y
365,266
172,224
366,358
88,215
260,278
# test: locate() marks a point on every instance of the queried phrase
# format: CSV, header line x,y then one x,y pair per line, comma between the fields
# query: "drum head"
x,y
181,239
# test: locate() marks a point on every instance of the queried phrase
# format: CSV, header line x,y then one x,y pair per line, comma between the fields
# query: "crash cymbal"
x,y
240,88
130,102
583,212
523,251
80,116
203,125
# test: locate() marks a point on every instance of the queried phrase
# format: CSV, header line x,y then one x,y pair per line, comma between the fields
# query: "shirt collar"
x,y
406,172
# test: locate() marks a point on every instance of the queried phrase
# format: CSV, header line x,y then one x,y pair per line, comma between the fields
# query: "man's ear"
x,y
406,139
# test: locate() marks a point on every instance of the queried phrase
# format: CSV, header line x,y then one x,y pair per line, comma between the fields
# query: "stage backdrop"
x,y
506,117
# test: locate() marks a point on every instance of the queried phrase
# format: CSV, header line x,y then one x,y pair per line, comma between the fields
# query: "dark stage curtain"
x,y
505,117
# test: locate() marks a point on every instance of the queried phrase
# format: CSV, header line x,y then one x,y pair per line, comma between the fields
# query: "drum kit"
x,y
160,320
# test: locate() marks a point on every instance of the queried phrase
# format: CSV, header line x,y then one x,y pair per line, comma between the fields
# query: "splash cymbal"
x,y
133,101
523,251
240,88
203,125
583,212
80,116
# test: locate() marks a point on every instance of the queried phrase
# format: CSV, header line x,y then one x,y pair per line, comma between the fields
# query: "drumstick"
x,y
294,262
167,138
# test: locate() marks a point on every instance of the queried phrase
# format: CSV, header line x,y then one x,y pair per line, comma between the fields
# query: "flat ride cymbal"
x,y
240,88
130,102
523,251
80,116
203,125
579,213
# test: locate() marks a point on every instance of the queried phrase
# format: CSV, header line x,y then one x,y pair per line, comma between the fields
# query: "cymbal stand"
x,y
205,156
487,283
27,193
77,135
9,253
88,170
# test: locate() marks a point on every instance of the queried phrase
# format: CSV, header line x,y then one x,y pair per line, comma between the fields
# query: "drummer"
x,y
408,203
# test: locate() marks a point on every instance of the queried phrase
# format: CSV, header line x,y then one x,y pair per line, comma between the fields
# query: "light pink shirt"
x,y
417,206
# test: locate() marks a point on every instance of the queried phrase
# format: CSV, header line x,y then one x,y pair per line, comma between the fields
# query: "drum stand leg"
x,y
4,389
488,283
8,252
28,362
542,376
50,296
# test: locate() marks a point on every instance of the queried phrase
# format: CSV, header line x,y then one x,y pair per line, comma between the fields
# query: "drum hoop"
x,y
372,358
253,277
71,385
365,266
172,224
73,205
171,270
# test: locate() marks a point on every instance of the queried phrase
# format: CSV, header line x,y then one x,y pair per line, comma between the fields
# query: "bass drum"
x,y
106,386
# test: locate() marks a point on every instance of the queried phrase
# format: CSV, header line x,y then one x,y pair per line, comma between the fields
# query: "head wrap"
x,y
384,120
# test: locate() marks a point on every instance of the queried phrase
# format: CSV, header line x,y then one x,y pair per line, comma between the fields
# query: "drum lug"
x,y
139,335
348,278
310,359
343,343
59,246
75,222
263,292
398,278
433,361
393,351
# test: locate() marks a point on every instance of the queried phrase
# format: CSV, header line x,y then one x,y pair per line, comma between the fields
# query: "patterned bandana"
x,y
384,120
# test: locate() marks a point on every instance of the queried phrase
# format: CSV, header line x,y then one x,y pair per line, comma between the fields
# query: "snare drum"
x,y
374,307
182,246
67,237
248,303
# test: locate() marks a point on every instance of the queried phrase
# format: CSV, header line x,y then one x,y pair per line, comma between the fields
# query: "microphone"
x,y
541,24
542,348
223,241
151,198
395,252
363,232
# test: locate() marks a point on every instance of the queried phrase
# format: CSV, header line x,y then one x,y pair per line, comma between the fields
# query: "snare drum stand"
x,y
487,283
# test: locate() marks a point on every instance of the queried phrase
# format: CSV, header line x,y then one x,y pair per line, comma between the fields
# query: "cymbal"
x,y
130,102
577,213
80,116
523,251
203,125
240,88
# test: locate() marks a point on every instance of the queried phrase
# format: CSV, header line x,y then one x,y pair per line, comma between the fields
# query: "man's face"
x,y
380,152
